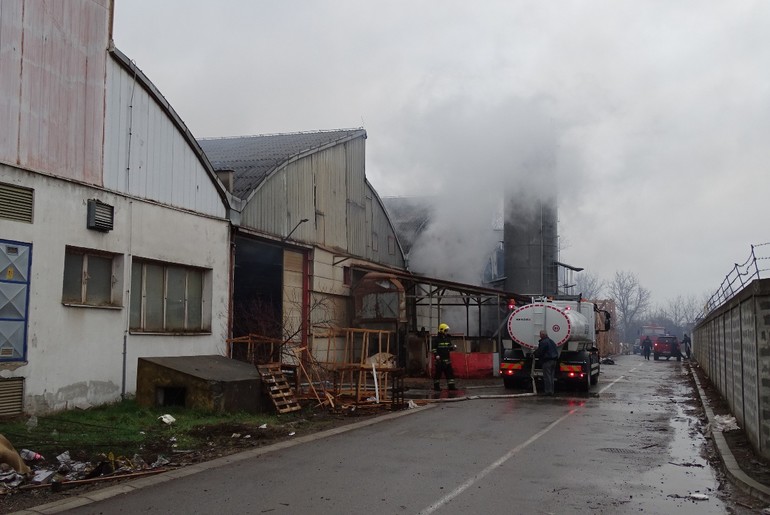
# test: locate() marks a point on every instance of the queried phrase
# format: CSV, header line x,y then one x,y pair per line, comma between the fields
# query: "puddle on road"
x,y
685,473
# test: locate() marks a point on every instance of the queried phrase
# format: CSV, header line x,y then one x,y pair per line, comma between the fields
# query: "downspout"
x,y
129,266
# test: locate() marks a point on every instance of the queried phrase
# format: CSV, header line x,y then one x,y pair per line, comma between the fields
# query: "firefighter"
x,y
442,346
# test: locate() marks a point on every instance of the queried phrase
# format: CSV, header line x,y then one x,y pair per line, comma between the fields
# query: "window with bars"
x,y
91,278
169,298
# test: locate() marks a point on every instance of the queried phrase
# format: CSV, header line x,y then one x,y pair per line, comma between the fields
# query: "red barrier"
x,y
474,365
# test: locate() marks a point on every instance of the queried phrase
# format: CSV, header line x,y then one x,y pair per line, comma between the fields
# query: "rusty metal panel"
x,y
60,98
146,153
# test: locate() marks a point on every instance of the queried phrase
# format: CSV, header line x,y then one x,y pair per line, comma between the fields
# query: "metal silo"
x,y
531,246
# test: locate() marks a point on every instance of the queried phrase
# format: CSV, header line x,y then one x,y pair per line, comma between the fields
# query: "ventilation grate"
x,y
11,396
16,203
100,215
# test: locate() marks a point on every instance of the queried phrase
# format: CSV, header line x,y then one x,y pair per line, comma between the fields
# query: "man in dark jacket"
x,y
646,347
548,354
687,345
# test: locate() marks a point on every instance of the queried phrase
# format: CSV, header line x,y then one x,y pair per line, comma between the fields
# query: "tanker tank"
x,y
563,323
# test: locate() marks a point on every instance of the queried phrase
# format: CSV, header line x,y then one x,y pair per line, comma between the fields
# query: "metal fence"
x,y
740,275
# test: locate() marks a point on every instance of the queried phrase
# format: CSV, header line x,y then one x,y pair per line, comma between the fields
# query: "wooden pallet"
x,y
278,388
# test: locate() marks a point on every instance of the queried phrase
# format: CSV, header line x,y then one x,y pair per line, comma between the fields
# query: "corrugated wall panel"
x,y
329,189
163,165
57,95
10,78
358,227
387,251
266,211
299,199
355,169
331,194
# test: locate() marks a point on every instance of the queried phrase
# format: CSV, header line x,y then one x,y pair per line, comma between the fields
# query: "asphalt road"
x,y
631,445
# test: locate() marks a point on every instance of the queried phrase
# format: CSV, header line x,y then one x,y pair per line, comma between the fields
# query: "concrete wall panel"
x,y
762,309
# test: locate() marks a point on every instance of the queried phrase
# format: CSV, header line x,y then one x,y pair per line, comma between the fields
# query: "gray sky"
x,y
653,116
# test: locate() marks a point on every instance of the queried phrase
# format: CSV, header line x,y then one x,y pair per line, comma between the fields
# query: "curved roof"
x,y
253,158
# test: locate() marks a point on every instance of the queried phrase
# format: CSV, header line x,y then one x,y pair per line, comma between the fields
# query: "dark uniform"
x,y
646,347
548,354
442,346
687,345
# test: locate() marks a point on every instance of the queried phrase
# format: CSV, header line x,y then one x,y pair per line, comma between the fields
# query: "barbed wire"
x,y
737,278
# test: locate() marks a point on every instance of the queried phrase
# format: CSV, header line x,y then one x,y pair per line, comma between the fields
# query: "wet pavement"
x,y
636,443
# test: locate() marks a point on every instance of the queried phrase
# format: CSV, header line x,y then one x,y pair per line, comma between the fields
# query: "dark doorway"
x,y
257,289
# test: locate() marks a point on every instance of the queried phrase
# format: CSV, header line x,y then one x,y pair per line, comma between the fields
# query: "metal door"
x,y
15,263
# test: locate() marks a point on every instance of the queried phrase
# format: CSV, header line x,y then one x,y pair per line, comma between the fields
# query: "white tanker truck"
x,y
571,324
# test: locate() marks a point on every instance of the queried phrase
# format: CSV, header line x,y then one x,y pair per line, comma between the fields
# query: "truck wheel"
x,y
655,356
587,383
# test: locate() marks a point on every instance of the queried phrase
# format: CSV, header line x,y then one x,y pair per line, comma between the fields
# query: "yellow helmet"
x,y
443,328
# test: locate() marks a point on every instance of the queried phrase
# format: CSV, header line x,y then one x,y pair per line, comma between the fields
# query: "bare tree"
x,y
682,311
631,299
589,285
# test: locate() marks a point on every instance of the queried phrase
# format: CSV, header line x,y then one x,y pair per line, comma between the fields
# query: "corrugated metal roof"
x,y
253,158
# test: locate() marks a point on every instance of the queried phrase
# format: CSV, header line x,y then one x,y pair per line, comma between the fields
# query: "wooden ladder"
x,y
278,388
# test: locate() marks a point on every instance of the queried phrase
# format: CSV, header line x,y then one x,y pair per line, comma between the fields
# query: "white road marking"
x,y
612,383
481,475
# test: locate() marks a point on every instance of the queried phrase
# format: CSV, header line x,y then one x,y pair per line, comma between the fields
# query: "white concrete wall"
x,y
75,354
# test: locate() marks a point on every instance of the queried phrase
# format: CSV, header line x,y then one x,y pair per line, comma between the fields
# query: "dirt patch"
x,y
217,441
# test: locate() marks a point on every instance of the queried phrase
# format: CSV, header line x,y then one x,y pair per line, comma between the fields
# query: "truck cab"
x,y
664,346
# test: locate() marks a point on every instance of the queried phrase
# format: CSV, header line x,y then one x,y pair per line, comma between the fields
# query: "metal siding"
x,y
299,201
266,210
62,92
163,165
10,77
331,194
357,192
384,230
